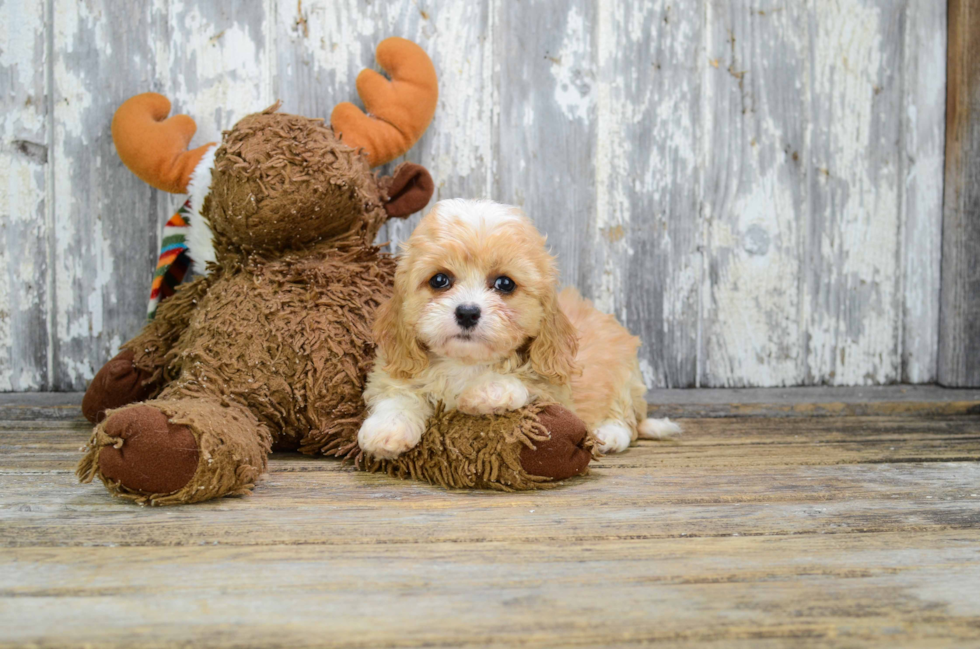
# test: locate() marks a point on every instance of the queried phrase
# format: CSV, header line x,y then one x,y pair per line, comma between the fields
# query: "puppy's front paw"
x,y
613,437
493,397
388,435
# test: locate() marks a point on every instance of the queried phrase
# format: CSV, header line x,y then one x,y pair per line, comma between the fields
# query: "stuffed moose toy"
x,y
269,349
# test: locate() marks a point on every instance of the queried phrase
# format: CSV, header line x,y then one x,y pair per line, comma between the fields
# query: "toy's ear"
x,y
409,190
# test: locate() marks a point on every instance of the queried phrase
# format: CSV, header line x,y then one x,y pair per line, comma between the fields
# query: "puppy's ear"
x,y
553,351
404,357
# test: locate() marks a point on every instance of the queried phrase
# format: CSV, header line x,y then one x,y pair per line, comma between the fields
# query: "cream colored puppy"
x,y
477,323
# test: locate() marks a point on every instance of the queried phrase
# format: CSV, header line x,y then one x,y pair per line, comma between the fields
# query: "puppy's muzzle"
x,y
467,315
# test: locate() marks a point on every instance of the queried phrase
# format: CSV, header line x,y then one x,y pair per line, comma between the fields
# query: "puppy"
x,y
476,322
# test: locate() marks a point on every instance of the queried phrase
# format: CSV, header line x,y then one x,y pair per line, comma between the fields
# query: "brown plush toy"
x,y
270,348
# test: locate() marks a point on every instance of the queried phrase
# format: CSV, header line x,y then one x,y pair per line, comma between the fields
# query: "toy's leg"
x,y
565,453
119,383
181,450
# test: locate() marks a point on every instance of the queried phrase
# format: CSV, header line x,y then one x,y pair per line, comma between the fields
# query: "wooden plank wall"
x,y
959,360
754,186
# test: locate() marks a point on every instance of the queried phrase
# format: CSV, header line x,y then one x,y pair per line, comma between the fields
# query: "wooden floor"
x,y
757,530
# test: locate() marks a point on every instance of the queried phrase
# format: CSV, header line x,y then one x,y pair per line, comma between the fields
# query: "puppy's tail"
x,y
658,429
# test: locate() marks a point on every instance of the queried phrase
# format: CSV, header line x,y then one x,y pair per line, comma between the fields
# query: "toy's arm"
x,y
150,346
530,448
138,371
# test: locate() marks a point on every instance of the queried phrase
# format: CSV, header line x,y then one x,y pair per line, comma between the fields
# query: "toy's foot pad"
x,y
155,456
562,456
119,383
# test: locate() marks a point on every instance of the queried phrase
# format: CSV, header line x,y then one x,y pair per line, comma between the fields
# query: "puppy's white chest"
x,y
476,389
447,380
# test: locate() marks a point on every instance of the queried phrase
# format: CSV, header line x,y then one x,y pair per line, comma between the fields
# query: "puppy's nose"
x,y
467,315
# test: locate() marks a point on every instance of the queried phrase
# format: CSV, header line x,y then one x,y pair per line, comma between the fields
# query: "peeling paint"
x,y
546,152
23,159
84,253
755,332
924,151
852,293
218,80
644,233
572,68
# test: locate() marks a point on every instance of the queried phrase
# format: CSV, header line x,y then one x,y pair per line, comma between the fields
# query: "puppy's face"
x,y
475,283
476,277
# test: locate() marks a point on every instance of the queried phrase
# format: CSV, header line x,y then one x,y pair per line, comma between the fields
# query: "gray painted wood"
x,y
807,401
959,347
645,234
924,129
24,209
103,224
652,141
809,276
545,135
755,192
219,63
851,293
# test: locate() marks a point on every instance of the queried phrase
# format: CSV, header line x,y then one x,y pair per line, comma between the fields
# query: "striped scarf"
x,y
174,259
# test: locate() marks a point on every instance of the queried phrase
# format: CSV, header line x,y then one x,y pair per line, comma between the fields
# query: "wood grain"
x,y
852,279
924,128
959,346
744,476
220,63
25,277
861,590
104,219
645,234
755,202
746,532
545,132
887,400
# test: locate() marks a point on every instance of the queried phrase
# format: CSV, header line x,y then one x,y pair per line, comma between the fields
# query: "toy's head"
x,y
279,181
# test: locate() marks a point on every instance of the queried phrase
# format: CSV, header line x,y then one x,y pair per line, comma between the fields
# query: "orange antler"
x,y
153,146
398,110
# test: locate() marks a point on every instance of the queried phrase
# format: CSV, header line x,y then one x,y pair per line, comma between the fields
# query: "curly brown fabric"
x,y
510,452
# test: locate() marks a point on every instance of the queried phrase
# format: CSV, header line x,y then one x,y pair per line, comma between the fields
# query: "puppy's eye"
x,y
440,281
504,284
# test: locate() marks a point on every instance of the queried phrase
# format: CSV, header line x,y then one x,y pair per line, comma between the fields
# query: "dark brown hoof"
x,y
119,383
562,456
156,457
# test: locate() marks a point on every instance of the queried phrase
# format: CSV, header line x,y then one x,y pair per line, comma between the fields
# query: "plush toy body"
x,y
270,349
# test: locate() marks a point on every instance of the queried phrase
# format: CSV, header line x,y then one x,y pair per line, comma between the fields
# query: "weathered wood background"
x,y
959,333
754,186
